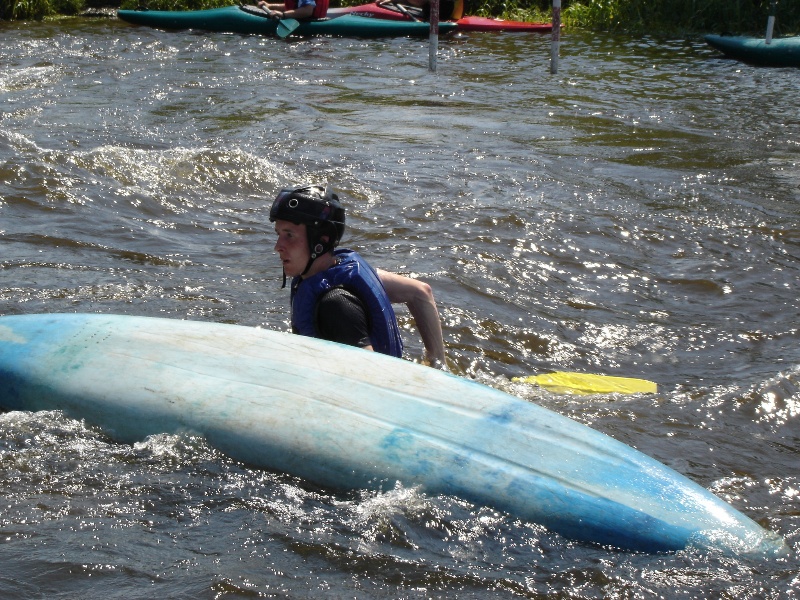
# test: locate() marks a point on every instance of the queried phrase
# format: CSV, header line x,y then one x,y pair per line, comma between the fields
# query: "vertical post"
x,y
556,36
771,21
433,46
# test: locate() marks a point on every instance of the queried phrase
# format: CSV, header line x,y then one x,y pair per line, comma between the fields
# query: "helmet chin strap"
x,y
317,251
308,265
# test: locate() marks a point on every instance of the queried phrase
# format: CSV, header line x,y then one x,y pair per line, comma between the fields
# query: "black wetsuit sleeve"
x,y
342,318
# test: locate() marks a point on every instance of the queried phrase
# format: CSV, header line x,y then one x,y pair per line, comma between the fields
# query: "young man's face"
x,y
292,247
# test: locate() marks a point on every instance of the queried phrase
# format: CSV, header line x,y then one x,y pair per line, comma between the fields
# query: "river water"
x,y
635,214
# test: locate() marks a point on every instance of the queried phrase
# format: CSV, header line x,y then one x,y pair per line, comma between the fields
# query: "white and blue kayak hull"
x,y
351,419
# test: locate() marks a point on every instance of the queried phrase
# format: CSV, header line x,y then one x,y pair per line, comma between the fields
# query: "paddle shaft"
x,y
405,11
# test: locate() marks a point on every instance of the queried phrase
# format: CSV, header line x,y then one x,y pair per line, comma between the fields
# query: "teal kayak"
x,y
235,19
347,418
780,52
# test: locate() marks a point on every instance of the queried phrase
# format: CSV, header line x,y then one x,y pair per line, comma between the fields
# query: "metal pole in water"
x,y
556,36
433,45
771,21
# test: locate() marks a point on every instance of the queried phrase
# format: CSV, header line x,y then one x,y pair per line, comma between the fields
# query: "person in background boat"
x,y
297,9
335,294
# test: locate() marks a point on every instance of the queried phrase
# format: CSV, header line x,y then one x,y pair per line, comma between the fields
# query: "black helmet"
x,y
318,208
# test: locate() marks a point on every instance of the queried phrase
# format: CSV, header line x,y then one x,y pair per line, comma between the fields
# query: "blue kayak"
x,y
235,19
347,418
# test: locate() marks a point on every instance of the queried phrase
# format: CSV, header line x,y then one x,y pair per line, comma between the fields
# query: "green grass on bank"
x,y
654,16
718,16
38,9
631,16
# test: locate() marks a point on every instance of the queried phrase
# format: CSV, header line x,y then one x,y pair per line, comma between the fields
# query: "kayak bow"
x,y
780,52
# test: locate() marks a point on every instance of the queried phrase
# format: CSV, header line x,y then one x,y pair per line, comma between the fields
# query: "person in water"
x,y
335,294
297,9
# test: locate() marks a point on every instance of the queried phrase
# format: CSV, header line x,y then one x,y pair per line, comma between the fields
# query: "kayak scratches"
x,y
400,445
503,417
10,336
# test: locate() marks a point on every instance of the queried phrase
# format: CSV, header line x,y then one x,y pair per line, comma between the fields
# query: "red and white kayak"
x,y
391,12
489,24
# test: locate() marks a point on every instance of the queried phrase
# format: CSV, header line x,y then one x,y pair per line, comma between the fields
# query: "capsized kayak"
x,y
235,19
780,52
346,418
468,23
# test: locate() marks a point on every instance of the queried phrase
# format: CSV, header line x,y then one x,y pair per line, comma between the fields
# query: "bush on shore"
x,y
636,16
736,16
38,9
633,16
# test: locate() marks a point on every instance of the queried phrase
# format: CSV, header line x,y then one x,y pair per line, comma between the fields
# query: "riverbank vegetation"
x,y
632,16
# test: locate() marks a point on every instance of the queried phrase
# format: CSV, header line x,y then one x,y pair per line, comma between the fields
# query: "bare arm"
x,y
304,12
418,296
271,5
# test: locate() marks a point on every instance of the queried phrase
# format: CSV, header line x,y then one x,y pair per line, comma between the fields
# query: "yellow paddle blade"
x,y
586,383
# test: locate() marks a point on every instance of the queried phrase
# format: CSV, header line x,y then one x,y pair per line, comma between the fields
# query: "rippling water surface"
x,y
636,214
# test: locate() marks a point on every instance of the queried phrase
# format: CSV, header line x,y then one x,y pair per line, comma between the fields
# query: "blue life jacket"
x,y
353,274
